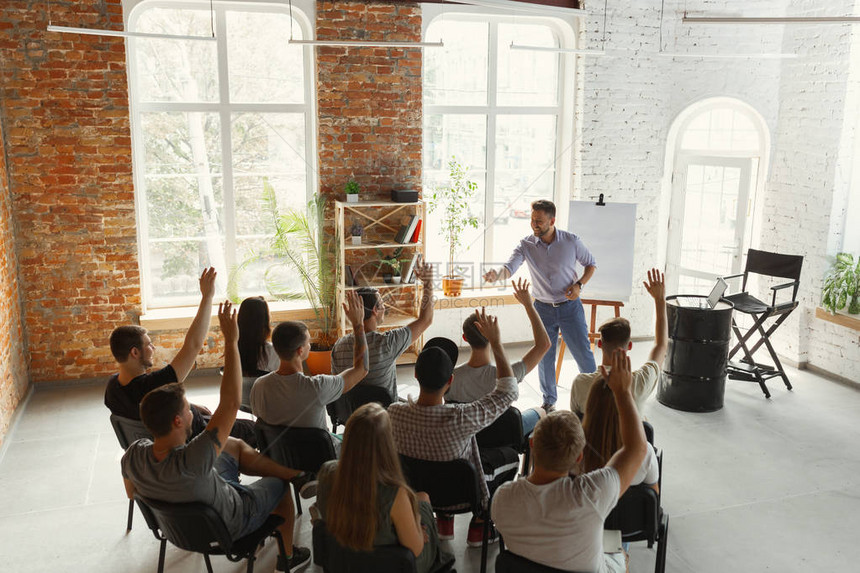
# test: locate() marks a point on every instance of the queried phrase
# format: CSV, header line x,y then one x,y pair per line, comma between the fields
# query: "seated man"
x,y
429,429
555,519
385,347
615,333
477,377
133,350
287,397
206,469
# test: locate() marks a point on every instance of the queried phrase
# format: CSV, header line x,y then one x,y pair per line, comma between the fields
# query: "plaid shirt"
x,y
447,431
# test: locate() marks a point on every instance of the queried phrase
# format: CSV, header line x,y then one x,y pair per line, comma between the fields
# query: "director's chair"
x,y
772,265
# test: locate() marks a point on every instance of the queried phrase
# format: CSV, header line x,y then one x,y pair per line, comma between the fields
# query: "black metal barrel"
x,y
694,371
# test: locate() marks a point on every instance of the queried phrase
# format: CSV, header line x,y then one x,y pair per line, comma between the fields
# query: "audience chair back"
x,y
508,562
639,516
127,432
197,527
771,265
248,379
334,558
453,487
305,449
505,432
341,409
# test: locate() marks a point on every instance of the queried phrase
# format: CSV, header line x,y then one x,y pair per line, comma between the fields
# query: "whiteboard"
x,y
608,231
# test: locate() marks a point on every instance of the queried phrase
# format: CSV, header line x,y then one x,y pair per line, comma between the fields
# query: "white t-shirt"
x,y
472,384
295,399
644,381
649,472
559,524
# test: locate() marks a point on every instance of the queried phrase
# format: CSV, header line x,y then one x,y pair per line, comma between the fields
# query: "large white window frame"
x,y
225,111
563,110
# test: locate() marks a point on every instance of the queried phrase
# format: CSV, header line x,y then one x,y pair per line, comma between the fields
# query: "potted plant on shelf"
x,y
352,188
842,285
356,230
300,246
394,263
452,201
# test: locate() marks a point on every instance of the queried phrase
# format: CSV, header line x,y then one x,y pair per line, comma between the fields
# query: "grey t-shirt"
x,y
295,399
187,474
472,384
383,350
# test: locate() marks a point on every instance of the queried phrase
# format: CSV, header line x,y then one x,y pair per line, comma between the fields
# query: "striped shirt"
x,y
447,431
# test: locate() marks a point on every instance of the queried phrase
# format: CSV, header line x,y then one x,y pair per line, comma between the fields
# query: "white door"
x,y
708,222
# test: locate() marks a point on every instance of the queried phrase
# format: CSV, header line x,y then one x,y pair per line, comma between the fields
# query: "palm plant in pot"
x,y
842,285
452,203
300,246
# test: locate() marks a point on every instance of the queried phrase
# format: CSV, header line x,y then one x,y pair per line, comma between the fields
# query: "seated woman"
x,y
257,355
603,436
365,500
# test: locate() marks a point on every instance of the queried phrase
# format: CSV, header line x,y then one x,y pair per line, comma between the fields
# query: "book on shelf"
x,y
416,232
410,270
403,232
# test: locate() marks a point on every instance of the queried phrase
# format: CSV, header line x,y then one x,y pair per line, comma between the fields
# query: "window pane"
x,y
176,142
174,269
457,73
175,70
527,77
263,67
721,129
453,134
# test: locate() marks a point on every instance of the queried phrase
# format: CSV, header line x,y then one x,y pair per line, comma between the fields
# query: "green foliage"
x,y
842,285
352,187
299,245
453,202
393,260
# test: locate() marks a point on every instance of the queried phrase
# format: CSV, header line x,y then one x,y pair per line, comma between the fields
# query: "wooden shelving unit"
x,y
381,221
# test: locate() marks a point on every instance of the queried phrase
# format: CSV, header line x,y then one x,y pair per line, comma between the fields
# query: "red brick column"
x,y
369,99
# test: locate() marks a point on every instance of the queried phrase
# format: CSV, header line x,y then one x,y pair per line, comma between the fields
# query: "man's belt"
x,y
554,304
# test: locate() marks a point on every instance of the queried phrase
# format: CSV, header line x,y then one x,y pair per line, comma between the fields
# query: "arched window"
x,y
718,150
505,114
217,126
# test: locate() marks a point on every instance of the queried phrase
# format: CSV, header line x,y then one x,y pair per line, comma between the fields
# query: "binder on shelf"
x,y
403,233
410,230
416,232
410,270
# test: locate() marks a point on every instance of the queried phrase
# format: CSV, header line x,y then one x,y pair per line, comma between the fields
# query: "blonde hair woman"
x,y
365,500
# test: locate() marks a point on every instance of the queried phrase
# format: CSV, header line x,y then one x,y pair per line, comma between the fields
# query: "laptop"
x,y
710,302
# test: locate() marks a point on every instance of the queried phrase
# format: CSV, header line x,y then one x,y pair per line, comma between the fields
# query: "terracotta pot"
x,y
452,285
319,362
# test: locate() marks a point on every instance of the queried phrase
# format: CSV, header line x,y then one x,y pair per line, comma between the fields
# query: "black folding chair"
x,y
334,558
453,487
197,527
505,433
772,265
639,516
305,449
508,562
341,409
128,431
248,379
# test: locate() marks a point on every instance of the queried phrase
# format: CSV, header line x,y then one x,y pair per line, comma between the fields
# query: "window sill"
x,y
846,320
180,318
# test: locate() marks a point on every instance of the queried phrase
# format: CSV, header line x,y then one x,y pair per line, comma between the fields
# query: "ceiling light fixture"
x,y
771,20
124,34
368,44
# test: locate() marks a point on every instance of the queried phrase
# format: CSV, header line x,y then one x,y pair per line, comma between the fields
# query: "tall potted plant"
x,y
452,203
842,285
301,246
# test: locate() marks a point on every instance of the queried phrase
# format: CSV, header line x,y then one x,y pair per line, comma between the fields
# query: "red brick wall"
x,y
369,99
13,366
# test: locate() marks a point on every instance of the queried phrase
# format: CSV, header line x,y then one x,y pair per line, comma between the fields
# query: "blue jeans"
x,y
530,420
259,499
569,317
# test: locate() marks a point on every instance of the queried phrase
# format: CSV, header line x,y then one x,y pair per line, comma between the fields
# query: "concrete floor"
x,y
761,485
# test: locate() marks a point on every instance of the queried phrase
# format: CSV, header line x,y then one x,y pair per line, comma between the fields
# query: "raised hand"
x,y
207,282
491,276
488,325
521,291
353,308
620,378
228,321
655,285
424,272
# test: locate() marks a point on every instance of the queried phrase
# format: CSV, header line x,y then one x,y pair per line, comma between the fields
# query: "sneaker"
x,y
476,534
445,526
306,483
300,555
548,408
